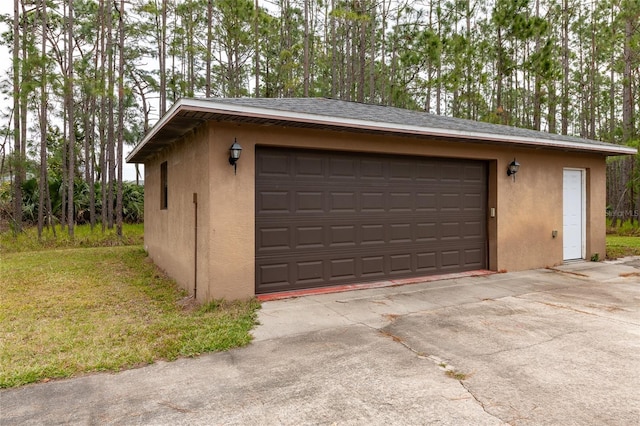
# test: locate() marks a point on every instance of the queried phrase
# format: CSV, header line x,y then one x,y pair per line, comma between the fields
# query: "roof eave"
x,y
267,114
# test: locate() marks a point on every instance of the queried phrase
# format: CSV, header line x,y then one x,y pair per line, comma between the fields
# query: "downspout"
x,y
195,246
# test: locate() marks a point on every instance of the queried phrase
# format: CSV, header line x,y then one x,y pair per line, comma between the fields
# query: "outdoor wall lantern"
x,y
234,154
513,168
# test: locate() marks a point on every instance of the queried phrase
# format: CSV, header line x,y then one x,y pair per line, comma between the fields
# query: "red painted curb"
x,y
364,286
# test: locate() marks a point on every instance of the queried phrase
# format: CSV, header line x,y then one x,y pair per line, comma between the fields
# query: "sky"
x,y
6,7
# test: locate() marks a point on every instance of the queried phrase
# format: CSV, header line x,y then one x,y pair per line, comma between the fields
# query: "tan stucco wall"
x,y
169,235
520,236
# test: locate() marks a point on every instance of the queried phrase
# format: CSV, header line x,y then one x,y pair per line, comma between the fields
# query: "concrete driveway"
x,y
557,346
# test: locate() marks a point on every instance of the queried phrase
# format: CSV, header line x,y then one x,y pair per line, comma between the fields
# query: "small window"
x,y
164,193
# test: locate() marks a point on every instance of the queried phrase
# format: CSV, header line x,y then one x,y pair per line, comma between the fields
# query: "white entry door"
x,y
574,214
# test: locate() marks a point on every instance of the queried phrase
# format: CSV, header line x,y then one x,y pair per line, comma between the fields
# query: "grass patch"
x,y
78,310
27,240
456,375
620,246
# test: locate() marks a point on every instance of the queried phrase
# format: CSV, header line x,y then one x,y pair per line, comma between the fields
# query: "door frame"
x,y
583,211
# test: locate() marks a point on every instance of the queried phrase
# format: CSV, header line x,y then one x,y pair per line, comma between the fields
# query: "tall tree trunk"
x,y
439,68
207,77
627,88
91,156
25,77
120,119
334,54
553,104
591,122
306,49
537,96
42,183
362,50
468,60
111,155
383,54
499,75
102,121
71,156
612,83
372,55
565,68
256,30
162,57
17,146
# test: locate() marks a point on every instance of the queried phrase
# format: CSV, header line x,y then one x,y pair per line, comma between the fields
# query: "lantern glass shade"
x,y
235,150
514,166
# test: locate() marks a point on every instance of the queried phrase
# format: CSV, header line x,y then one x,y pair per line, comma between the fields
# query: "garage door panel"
x,y
309,237
309,202
342,269
372,234
271,239
372,170
426,202
473,230
342,202
342,236
426,262
275,274
426,232
473,173
473,257
427,172
450,258
372,202
450,202
400,264
372,266
342,168
472,201
271,202
450,231
401,170
310,272
450,172
400,202
309,167
400,233
274,165
332,218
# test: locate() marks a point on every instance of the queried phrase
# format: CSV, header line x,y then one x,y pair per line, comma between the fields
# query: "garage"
x,y
331,193
326,218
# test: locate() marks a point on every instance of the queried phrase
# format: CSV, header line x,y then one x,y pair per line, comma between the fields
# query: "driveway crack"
x,y
479,402
448,369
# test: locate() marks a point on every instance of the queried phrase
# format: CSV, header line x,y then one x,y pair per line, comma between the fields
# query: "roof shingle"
x,y
338,114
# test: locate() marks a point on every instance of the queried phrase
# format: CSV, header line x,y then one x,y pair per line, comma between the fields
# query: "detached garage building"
x,y
329,193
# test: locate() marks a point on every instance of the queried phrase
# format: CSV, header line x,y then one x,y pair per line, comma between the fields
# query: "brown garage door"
x,y
328,218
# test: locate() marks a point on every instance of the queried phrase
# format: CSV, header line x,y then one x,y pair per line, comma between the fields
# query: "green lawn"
x,y
84,236
618,246
70,311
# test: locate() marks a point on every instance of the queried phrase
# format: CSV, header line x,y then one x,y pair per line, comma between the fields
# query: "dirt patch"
x,y
188,304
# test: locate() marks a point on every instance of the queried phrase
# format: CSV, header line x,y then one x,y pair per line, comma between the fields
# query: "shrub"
x,y
132,200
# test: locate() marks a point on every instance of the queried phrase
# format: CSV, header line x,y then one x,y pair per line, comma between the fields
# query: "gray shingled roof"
x,y
387,114
350,116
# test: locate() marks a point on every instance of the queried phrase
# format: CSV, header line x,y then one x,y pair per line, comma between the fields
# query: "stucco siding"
x,y
520,237
170,233
231,216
